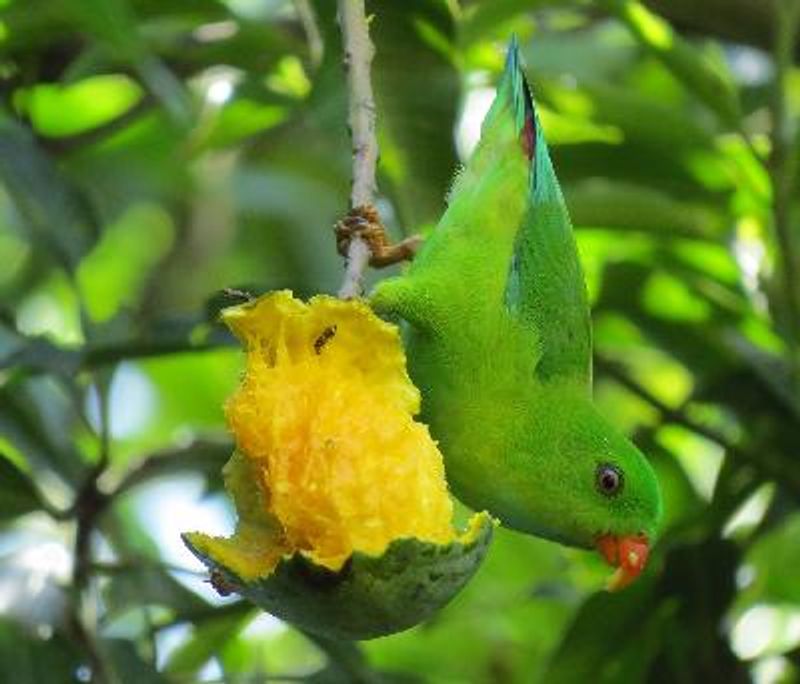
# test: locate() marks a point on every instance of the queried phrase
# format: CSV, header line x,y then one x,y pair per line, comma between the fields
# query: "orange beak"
x,y
627,554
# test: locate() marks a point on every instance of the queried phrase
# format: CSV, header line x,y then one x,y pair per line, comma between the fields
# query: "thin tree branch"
x,y
134,563
87,508
95,356
234,608
82,636
207,455
358,54
90,504
357,262
361,237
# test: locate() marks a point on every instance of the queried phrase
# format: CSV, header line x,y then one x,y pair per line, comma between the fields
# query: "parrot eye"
x,y
608,479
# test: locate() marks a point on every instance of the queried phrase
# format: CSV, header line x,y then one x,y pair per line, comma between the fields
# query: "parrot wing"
x,y
545,287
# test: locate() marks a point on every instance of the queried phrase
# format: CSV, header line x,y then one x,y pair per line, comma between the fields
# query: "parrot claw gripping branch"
x,y
499,342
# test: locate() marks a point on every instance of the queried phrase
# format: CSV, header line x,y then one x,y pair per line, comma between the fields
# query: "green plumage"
x,y
499,343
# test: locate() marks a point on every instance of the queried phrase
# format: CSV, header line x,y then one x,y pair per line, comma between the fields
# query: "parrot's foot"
x,y
365,222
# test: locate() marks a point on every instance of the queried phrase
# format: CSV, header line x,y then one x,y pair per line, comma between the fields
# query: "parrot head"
x,y
604,492
623,505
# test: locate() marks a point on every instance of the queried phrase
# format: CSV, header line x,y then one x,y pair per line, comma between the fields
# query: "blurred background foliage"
x,y
154,152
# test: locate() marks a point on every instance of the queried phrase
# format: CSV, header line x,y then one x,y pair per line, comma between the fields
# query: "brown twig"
x,y
90,503
96,661
361,237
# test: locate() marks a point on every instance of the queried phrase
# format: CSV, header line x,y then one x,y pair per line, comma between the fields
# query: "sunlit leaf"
x,y
76,107
113,24
772,559
705,79
143,234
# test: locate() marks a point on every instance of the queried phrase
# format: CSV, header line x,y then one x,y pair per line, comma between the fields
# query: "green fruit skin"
x,y
371,596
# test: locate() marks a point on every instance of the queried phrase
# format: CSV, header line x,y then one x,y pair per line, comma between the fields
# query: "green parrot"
x,y
499,343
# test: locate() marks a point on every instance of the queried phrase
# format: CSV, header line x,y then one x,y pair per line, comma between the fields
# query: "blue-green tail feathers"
x,y
514,93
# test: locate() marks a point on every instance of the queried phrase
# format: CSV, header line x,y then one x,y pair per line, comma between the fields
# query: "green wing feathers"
x,y
545,286
504,249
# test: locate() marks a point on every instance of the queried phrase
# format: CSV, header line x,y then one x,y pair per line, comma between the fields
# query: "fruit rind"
x,y
370,596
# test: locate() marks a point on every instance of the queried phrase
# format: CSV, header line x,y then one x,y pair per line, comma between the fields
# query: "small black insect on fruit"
x,y
220,584
324,337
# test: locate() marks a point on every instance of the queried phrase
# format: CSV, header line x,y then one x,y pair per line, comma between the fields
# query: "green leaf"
x,y
34,23
627,206
276,648
37,418
592,649
668,297
63,110
641,119
681,503
240,119
492,19
698,74
587,50
209,636
346,663
254,46
416,89
55,214
113,24
127,663
206,457
640,635
144,235
28,659
18,495
775,557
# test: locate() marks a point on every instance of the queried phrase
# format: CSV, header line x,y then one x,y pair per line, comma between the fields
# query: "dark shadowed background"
x,y
153,152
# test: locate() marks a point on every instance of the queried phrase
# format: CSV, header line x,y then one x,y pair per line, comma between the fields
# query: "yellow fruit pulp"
x,y
324,416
